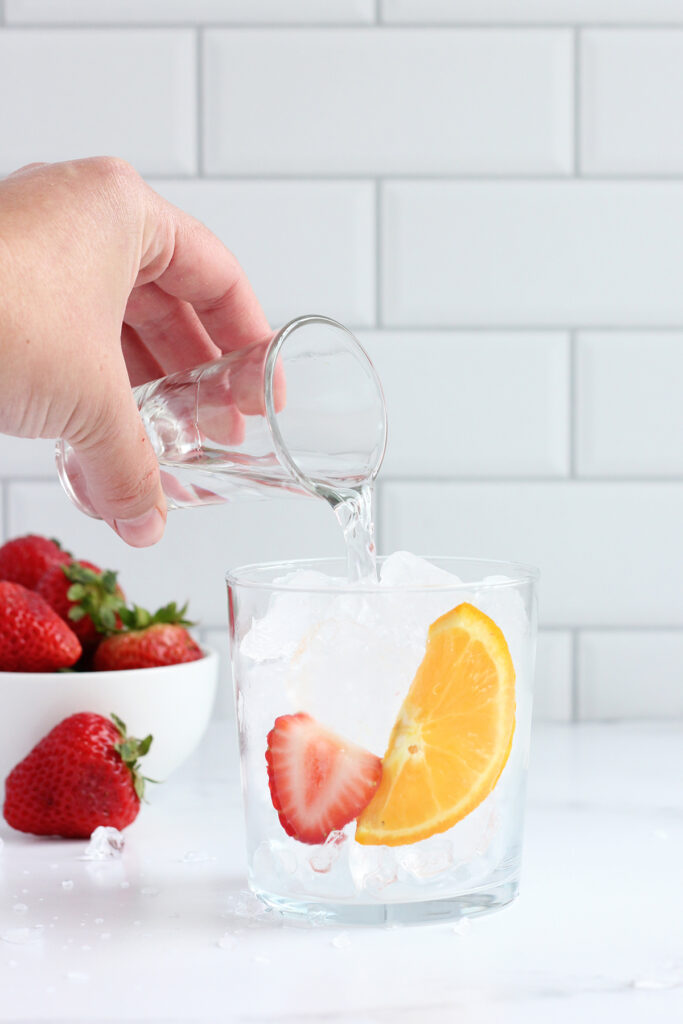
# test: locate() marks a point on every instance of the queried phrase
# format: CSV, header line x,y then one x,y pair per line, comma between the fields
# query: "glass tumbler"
x,y
384,735
302,413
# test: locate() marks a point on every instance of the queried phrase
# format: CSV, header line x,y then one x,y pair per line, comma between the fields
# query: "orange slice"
x,y
452,736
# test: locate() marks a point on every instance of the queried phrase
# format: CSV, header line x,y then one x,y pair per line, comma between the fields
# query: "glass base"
x,y
472,904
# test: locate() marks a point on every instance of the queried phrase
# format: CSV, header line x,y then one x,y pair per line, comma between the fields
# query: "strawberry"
x,y
84,773
25,559
85,597
148,640
33,638
318,781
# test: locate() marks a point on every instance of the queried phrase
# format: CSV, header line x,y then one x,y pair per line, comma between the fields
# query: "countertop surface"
x,y
166,932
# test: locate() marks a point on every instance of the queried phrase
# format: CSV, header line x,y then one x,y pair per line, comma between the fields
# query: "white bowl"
x,y
173,702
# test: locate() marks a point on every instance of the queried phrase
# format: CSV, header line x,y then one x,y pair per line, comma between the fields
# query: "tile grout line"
x,y
427,177
544,480
577,102
379,16
575,693
199,101
378,253
572,434
391,26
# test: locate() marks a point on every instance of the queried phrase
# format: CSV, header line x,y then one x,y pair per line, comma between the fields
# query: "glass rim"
x,y
245,576
273,351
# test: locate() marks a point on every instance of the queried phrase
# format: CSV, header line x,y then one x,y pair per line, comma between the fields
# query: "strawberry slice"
x,y
319,781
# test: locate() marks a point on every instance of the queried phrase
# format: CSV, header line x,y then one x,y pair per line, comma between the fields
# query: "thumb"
x,y
114,470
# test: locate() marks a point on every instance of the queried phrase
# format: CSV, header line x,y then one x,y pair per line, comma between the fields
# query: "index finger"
x,y
200,270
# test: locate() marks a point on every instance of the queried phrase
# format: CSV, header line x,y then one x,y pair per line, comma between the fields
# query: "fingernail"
x,y
141,531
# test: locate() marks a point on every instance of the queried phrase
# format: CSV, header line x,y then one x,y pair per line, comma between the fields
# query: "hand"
x,y
104,285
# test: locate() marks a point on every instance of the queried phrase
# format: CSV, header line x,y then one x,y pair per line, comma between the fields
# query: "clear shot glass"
x,y
301,414
415,676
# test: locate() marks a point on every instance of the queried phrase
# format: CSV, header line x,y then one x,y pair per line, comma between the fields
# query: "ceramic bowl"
x,y
173,702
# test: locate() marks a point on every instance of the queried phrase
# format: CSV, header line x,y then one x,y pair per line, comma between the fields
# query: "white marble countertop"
x,y
160,935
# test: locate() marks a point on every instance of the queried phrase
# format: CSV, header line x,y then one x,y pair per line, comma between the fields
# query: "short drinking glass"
x,y
384,734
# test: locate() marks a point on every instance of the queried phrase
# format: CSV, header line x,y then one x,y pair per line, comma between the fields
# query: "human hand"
x,y
104,285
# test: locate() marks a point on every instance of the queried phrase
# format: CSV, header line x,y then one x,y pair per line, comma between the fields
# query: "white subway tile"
x,y
307,247
170,12
532,253
630,412
21,457
388,102
632,102
546,12
85,93
631,675
553,680
197,549
609,553
475,404
219,640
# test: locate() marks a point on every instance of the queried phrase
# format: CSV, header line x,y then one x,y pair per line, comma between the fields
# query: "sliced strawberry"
x,y
319,781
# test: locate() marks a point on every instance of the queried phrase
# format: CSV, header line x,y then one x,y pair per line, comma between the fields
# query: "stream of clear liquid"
x,y
354,509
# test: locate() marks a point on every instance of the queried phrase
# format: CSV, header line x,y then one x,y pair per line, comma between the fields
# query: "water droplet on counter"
x,y
77,976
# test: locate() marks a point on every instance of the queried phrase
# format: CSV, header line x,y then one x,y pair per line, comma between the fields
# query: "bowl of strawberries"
x,y
71,643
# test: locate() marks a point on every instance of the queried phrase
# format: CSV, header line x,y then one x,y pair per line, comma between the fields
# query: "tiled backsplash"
x,y
491,193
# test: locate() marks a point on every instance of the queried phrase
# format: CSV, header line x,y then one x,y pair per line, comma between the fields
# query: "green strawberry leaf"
x,y
95,594
131,750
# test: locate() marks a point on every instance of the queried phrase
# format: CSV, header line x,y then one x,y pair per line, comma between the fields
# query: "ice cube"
x,y
290,615
105,842
403,568
427,859
341,941
373,868
322,859
248,907
67,884
20,908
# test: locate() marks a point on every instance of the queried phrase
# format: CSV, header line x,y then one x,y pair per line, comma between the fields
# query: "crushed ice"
x,y
105,842
377,638
324,856
248,909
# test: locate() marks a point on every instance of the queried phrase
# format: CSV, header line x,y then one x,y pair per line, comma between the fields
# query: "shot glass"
x,y
384,734
302,413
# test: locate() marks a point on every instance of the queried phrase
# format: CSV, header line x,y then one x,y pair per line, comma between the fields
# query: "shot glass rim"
x,y
516,573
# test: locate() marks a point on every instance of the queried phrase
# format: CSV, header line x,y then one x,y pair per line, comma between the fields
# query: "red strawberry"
x,y
319,782
33,638
148,640
85,597
25,559
84,773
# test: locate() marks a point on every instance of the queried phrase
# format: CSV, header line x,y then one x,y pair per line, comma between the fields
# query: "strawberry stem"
x,y
95,594
131,750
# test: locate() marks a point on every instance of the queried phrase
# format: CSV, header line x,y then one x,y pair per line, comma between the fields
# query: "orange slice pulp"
x,y
453,734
